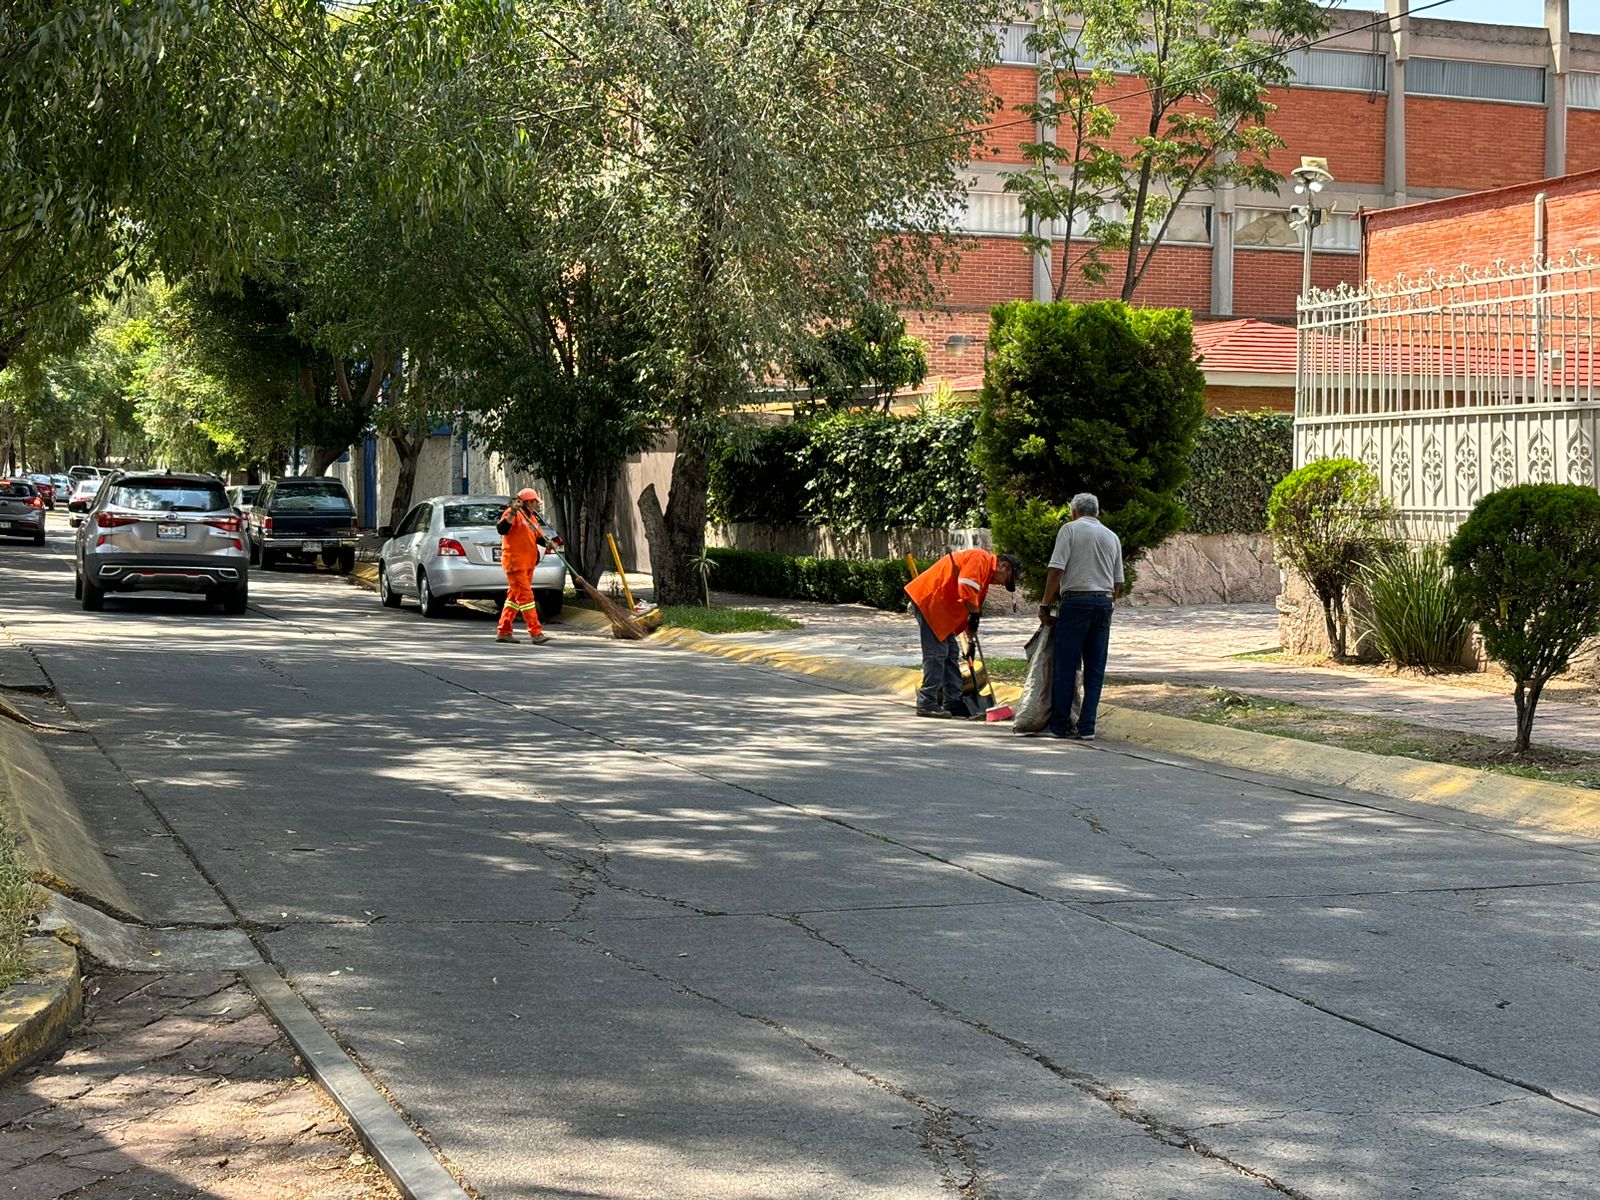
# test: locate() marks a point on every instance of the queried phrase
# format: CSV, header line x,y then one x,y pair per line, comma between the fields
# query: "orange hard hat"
x,y
528,494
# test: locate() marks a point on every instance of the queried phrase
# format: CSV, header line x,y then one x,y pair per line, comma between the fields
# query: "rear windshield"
x,y
10,487
88,486
312,495
248,495
167,495
467,516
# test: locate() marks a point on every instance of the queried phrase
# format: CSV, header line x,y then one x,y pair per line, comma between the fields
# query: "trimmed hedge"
x,y
1238,459
879,582
854,472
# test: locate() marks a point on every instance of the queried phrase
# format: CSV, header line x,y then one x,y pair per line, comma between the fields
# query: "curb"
x,y
405,1159
1550,806
54,844
37,1011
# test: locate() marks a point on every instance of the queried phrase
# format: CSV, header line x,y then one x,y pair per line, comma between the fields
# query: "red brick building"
x,y
1405,110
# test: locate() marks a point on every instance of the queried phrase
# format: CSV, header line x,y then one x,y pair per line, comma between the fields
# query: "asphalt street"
x,y
617,921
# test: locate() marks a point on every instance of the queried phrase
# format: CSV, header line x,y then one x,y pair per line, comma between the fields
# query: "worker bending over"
x,y
946,599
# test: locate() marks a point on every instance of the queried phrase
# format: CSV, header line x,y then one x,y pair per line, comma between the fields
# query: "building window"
x,y
994,212
1350,70
1270,229
1474,81
1014,48
1583,90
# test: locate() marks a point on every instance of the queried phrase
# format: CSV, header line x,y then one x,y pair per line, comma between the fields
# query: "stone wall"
x,y
1213,568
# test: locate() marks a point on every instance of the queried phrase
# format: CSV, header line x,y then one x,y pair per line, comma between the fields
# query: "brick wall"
x,y
1013,86
1477,230
1469,144
992,269
1221,398
1346,128
1583,140
1266,282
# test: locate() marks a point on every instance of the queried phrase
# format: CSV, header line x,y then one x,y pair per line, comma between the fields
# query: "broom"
x,y
622,625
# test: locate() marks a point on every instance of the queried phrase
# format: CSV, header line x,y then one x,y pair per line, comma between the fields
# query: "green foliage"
x,y
879,583
1328,520
870,359
1197,119
19,901
1238,458
1417,617
1527,565
1094,398
853,472
725,620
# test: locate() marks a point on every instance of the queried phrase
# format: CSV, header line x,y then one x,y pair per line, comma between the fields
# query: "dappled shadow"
x,y
617,920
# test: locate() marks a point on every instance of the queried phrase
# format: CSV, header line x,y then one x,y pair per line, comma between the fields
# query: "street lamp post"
x,y
1311,177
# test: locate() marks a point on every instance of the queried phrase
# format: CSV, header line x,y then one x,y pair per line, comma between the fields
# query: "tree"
x,y
132,133
1328,520
869,360
1527,563
1095,398
1118,163
751,158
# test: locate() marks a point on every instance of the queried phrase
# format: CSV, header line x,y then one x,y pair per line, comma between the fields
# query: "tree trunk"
x,y
1528,692
408,448
321,458
1332,612
678,536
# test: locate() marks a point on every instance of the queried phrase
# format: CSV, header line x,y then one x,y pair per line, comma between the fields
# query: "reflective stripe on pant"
x,y
519,599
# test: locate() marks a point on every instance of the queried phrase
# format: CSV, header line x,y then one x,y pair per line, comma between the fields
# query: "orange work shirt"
x,y
939,591
519,549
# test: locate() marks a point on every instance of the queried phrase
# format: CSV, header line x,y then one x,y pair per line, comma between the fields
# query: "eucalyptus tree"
x,y
130,139
760,168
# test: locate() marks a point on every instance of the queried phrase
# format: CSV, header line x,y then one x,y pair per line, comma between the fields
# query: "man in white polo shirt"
x,y
1086,573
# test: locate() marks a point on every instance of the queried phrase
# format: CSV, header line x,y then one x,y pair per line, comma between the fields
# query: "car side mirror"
x,y
386,532
75,521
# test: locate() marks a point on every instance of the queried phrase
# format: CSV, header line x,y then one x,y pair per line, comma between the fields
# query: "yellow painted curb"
x,y
364,574
1553,806
36,1013
53,843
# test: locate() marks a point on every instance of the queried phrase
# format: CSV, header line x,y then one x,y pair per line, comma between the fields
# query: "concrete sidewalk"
x,y
1195,647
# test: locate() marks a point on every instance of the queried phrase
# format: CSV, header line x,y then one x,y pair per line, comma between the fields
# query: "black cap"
x,y
1016,569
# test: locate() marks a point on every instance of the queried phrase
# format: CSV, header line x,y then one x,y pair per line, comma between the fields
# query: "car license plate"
x,y
15,525
497,554
311,547
171,531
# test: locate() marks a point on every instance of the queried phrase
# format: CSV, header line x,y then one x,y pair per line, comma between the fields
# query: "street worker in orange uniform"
x,y
519,554
946,599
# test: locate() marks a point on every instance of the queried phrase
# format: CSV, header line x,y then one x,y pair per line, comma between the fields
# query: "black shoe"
x,y
934,712
1084,737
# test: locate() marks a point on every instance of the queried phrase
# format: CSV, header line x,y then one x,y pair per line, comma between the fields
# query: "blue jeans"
x,y
941,666
1083,635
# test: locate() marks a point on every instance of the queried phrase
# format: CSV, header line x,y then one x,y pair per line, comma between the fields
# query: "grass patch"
x,y
19,900
1007,670
718,619
1357,731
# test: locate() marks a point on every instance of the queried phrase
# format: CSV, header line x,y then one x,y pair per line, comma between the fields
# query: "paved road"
x,y
624,922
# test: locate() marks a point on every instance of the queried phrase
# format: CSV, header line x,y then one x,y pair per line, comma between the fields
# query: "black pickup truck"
x,y
303,519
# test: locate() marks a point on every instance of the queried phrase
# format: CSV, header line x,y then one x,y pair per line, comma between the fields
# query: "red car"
x,y
46,488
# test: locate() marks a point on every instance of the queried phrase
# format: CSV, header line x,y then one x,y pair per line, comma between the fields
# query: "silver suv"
x,y
164,532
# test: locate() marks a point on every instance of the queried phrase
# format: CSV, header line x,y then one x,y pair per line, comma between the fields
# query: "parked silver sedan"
x,y
447,549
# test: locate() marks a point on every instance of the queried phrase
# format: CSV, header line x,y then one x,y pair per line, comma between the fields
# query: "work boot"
x,y
933,712
505,637
539,639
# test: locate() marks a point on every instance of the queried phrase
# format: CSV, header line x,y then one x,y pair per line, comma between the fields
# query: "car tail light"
x,y
558,543
226,524
266,524
353,525
450,548
35,502
106,520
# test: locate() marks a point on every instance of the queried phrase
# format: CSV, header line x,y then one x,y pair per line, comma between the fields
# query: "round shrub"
x,y
1527,565
1328,520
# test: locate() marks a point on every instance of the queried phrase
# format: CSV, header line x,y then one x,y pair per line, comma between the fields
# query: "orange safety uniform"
x,y
519,554
939,591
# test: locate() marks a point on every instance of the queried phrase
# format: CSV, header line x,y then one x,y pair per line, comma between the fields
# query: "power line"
x,y
1183,84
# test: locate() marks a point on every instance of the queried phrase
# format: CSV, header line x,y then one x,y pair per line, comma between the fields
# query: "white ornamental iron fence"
x,y
1451,388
